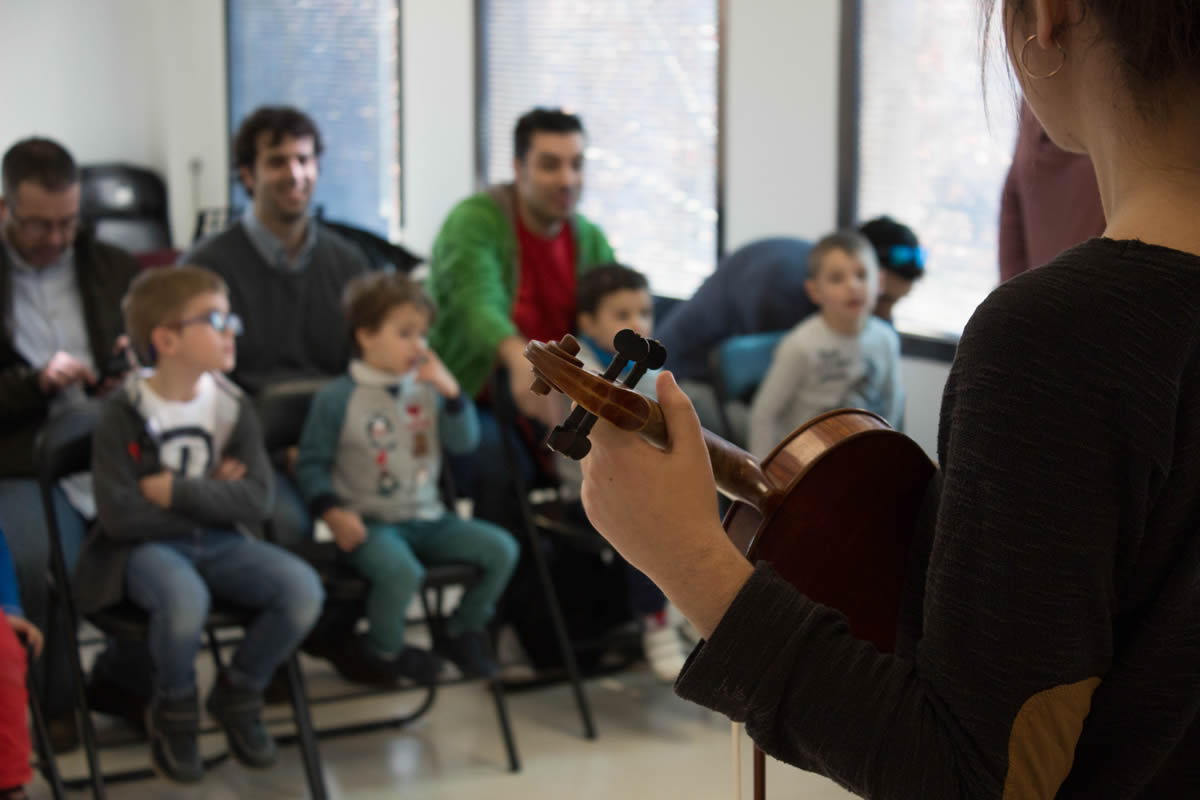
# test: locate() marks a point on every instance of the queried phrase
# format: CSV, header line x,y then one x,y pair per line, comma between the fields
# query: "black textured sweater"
x,y
1055,648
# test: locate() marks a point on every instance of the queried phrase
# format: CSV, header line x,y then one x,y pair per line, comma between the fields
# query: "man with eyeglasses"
x,y
60,298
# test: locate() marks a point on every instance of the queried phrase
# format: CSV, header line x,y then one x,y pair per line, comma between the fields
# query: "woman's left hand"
x,y
658,508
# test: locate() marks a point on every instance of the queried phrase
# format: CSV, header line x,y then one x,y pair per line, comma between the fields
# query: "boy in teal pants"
x,y
369,463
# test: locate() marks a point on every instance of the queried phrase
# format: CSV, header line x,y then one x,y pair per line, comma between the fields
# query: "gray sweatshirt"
x,y
816,369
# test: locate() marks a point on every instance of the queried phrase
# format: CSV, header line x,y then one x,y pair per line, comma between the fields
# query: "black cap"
x,y
896,246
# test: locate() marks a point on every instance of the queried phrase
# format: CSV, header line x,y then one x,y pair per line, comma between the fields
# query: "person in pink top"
x,y
1050,203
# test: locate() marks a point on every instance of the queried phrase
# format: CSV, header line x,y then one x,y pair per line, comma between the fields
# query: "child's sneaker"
x,y
664,649
417,665
471,653
239,713
173,727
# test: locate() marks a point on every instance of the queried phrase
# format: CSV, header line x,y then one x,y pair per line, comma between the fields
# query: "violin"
x,y
802,508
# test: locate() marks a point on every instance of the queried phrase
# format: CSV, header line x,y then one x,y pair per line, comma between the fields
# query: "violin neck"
x,y
738,474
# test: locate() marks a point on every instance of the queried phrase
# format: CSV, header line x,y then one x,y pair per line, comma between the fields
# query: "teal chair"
x,y
738,365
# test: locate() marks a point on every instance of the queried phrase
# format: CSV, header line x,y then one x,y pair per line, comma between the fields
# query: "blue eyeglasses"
x,y
220,321
901,255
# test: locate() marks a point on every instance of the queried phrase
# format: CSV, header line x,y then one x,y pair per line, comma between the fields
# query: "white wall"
x,y
438,69
781,116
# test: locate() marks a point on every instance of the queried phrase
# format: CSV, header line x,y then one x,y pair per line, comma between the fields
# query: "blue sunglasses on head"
x,y
901,255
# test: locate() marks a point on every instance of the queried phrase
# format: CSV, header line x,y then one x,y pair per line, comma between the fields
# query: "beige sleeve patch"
x,y
1041,747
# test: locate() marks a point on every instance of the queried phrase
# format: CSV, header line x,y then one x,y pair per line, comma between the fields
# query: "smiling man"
x,y
285,272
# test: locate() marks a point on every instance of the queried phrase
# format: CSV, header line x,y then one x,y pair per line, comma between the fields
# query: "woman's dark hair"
x,y
1156,42
602,280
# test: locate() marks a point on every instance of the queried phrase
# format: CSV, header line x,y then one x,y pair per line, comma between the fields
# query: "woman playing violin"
x,y
1054,650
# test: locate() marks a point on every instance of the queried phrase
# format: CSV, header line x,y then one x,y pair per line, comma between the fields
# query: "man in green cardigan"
x,y
503,271
504,264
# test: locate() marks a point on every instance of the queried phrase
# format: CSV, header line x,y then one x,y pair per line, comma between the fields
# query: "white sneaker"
x,y
665,652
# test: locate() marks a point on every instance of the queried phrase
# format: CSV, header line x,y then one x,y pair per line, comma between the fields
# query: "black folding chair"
x,y
282,409
531,529
64,447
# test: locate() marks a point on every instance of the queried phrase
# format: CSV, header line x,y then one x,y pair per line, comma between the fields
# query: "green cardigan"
x,y
473,277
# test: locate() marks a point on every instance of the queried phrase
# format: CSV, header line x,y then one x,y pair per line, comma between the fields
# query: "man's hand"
x,y
348,529
27,632
545,409
157,488
63,370
230,469
434,372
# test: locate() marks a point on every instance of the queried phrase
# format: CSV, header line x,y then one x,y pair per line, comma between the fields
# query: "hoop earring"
x,y
1025,63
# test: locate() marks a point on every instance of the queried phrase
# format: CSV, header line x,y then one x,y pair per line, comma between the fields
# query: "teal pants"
x,y
391,560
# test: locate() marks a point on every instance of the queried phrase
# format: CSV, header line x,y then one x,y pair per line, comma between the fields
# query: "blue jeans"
x,y
24,526
174,581
128,664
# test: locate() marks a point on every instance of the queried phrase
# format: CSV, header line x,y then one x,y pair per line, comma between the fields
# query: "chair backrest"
x,y
282,409
126,206
740,363
64,444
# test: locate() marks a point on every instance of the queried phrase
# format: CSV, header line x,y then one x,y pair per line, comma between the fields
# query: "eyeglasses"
x,y
900,255
39,227
220,321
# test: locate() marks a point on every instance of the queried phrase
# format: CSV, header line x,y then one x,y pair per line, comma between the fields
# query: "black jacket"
x,y
104,273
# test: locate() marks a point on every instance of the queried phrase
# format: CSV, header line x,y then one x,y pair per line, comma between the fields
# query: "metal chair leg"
x,y
47,761
547,584
510,744
87,730
304,730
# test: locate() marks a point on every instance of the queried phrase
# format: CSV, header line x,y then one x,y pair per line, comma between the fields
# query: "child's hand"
x,y
157,488
28,632
434,372
348,529
230,469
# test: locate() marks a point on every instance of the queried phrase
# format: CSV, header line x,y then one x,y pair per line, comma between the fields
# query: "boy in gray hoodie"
x,y
182,483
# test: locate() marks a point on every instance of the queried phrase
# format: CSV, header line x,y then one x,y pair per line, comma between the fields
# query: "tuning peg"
x,y
630,346
657,356
570,442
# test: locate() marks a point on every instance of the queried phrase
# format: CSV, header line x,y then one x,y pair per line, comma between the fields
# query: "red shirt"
x,y
545,304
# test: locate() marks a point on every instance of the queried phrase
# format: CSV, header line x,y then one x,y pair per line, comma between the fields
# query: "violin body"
x,y
850,489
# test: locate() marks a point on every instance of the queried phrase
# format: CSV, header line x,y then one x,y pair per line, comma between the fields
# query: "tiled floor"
x,y
651,745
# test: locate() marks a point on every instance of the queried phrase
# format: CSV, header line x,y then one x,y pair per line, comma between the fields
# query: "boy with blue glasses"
x,y
182,484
